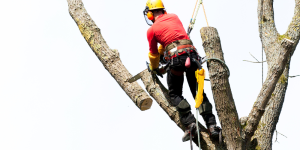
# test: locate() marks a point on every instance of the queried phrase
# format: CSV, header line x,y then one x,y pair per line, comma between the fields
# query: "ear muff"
x,y
150,15
165,12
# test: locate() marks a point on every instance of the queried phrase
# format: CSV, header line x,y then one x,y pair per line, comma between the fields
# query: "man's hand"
x,y
162,60
154,71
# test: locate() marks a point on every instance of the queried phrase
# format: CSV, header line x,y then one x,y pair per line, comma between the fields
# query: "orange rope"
x,y
205,15
194,9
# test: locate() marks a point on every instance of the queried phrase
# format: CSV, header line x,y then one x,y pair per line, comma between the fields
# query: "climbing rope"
x,y
194,10
194,16
193,19
198,131
205,14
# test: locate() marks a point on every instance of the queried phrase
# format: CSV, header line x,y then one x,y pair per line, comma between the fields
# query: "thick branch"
x,y
278,49
264,134
109,58
293,32
266,15
267,28
221,89
274,74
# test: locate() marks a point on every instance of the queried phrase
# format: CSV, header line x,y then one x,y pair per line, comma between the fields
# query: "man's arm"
x,y
153,54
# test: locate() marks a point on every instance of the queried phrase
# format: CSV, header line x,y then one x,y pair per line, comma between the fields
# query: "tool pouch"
x,y
188,62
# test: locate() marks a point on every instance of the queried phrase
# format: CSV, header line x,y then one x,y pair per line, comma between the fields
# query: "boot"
x,y
214,130
190,129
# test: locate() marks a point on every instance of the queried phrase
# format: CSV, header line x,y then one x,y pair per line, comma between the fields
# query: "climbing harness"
x,y
178,48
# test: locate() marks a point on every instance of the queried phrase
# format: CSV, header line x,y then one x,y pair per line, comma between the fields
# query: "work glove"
x,y
161,49
155,71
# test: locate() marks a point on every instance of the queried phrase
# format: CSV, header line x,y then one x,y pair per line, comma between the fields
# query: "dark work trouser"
x,y
175,82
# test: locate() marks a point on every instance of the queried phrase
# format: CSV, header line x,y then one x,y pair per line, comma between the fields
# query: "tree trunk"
x,y
224,102
262,138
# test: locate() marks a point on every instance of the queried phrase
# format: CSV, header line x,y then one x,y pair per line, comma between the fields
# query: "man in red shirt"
x,y
176,47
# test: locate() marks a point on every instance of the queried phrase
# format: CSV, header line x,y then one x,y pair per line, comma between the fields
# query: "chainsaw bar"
x,y
136,77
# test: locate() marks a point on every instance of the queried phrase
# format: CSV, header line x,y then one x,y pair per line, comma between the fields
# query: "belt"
x,y
183,49
178,43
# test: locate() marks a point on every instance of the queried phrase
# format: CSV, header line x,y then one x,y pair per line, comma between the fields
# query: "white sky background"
x,y
56,94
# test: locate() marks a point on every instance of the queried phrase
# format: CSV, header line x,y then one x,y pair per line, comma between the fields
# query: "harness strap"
x,y
170,55
178,43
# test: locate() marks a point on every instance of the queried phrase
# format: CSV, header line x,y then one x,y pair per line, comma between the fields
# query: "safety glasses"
x,y
149,22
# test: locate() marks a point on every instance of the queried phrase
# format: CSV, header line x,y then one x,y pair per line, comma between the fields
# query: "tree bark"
x,y
262,138
277,53
109,57
221,90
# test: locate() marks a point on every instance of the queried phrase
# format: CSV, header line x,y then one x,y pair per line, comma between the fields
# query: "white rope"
x,y
197,111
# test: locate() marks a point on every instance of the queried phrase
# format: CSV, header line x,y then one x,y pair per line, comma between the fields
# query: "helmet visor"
x,y
149,22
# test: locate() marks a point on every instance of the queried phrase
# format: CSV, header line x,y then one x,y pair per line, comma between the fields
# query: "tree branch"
x,y
293,32
109,58
274,74
267,28
294,76
278,49
265,130
264,134
254,61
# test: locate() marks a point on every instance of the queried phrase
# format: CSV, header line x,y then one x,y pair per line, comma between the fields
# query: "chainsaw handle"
x,y
148,67
156,71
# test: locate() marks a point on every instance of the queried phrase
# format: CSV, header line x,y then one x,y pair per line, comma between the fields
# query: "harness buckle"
x,y
173,50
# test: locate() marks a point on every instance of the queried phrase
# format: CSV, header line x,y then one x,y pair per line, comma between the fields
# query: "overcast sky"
x,y
56,94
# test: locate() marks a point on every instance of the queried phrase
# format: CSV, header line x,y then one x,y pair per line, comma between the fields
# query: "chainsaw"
x,y
162,69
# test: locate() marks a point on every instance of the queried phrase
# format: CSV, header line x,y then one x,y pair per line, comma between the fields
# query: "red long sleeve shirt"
x,y
166,29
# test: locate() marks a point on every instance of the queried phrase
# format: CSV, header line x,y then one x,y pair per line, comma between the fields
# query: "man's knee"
x,y
183,107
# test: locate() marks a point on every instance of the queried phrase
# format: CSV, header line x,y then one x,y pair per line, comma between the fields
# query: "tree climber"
x,y
176,47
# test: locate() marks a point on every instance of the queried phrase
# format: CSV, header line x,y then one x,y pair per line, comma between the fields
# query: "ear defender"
x,y
150,15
